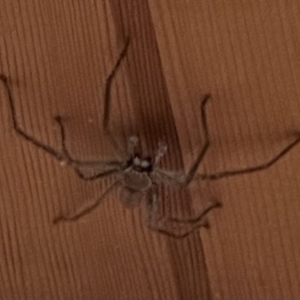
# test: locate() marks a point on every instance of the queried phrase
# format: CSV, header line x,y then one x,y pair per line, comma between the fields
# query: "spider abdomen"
x,y
135,185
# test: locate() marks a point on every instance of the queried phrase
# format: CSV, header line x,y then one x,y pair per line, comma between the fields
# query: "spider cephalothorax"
x,y
138,176
140,171
143,164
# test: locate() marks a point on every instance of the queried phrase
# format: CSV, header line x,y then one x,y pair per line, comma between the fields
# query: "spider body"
x,y
136,175
139,173
136,181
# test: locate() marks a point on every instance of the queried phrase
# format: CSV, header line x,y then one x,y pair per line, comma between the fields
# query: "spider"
x,y
138,176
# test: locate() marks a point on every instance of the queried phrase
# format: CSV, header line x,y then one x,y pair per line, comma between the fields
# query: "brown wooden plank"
x,y
58,54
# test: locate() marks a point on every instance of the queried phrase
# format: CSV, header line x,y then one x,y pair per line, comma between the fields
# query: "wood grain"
x,y
57,55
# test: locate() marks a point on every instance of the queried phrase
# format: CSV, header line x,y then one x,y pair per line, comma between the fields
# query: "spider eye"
x,y
145,164
137,161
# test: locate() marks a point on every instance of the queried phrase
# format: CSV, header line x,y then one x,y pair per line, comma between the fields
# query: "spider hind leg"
x,y
179,228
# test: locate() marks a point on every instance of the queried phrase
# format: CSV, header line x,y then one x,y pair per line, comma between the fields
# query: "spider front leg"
x,y
107,100
186,179
261,167
156,223
114,166
191,173
19,130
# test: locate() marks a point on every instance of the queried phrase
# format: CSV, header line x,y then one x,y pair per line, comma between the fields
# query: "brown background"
x,y
58,54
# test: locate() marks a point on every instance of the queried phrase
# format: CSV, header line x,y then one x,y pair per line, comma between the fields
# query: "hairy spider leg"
x,y
86,210
173,176
115,166
157,223
105,122
107,100
261,167
106,115
52,151
62,157
191,173
20,131
196,221
186,179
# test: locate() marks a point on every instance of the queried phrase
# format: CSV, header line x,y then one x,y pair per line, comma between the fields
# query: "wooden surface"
x,y
58,54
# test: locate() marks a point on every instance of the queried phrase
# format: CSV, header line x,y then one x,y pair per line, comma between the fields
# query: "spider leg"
x,y
156,223
186,180
248,170
20,131
180,235
63,158
195,220
173,177
107,100
115,166
85,210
